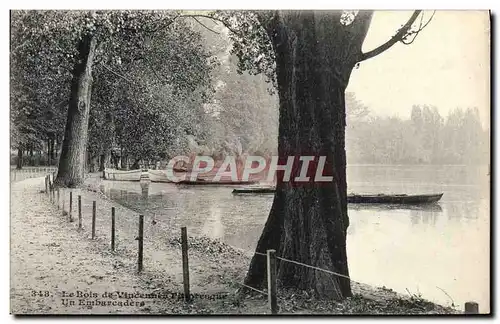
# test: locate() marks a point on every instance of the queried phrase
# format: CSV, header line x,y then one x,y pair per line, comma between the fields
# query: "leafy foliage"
x,y
149,65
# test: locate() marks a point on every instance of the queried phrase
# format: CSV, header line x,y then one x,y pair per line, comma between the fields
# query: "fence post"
x,y
70,206
58,198
79,212
53,194
471,308
185,263
140,239
93,218
112,228
271,281
46,185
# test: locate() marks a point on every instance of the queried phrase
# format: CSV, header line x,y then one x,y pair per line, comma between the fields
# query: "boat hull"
x,y
363,199
158,176
116,175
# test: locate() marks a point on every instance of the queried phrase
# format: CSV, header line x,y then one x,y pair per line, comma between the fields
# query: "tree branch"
x,y
396,38
199,22
214,19
415,33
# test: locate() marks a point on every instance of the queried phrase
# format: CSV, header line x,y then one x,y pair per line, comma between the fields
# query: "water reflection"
x,y
388,207
415,247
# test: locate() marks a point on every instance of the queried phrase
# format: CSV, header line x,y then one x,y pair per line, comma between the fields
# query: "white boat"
x,y
158,176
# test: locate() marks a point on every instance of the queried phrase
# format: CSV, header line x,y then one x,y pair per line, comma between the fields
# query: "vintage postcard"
x,y
250,162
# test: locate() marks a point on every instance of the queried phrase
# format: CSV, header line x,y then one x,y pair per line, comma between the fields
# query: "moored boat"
x,y
394,199
118,175
361,199
210,182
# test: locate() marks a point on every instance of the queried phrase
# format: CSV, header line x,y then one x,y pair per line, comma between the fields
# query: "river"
x,y
442,252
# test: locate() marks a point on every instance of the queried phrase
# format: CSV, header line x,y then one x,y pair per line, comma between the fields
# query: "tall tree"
x,y
39,88
313,54
91,38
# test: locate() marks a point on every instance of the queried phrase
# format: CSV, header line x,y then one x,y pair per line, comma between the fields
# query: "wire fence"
x,y
126,235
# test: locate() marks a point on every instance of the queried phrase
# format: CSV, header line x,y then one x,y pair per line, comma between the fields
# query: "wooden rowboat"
x,y
361,199
220,183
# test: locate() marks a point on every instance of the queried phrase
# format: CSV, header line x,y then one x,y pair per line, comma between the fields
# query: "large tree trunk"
x,y
308,222
72,159
135,165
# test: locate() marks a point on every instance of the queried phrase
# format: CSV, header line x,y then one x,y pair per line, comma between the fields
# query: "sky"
x,y
448,65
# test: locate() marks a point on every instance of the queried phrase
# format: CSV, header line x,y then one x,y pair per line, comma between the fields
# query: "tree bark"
x,y
102,159
135,165
315,55
72,159
31,160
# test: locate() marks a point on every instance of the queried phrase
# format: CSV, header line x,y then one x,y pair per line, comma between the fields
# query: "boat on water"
x,y
394,199
361,199
158,176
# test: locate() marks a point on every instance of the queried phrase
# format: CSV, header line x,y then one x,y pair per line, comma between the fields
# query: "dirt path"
x,y
57,269
48,261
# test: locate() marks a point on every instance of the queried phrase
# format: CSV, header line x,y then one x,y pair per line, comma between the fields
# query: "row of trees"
x,y
425,138
156,94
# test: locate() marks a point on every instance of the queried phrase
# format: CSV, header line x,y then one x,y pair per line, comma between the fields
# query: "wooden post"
x,y
471,308
185,263
93,218
140,239
271,281
63,205
79,212
112,228
70,206
58,198
53,194
46,185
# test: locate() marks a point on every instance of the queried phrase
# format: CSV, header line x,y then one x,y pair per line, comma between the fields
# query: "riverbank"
x,y
56,268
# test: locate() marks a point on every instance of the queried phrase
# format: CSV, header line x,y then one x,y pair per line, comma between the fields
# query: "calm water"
x,y
425,250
